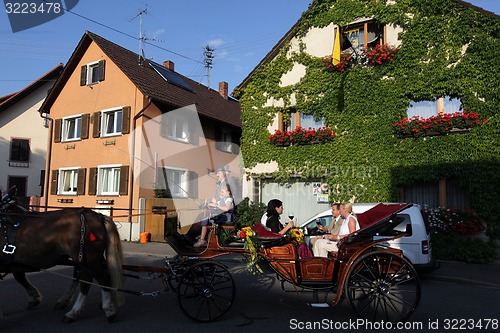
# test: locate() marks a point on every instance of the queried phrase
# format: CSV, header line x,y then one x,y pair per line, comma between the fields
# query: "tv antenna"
x,y
142,37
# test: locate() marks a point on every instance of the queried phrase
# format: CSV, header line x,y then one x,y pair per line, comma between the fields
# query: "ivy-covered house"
x,y
377,100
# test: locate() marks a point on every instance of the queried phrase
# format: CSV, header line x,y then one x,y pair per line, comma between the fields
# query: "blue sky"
x,y
241,32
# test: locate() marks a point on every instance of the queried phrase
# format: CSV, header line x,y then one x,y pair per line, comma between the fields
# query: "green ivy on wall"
x,y
446,49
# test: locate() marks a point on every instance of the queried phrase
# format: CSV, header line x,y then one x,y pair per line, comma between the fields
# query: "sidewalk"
x,y
153,249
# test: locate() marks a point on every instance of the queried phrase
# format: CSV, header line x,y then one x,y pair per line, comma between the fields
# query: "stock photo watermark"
x,y
24,15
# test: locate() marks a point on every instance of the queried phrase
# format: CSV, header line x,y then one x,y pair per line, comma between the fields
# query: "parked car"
x,y
416,245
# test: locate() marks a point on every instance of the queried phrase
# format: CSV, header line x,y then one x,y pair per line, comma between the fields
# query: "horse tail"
x,y
114,259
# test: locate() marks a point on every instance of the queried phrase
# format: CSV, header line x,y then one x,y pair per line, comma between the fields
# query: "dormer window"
x,y
92,73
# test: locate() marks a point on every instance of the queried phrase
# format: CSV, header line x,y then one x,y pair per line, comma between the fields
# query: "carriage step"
x,y
319,305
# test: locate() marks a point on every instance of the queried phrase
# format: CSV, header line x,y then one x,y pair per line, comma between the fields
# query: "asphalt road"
x,y
455,295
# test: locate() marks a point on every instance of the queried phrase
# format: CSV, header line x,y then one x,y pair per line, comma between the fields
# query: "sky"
x,y
241,33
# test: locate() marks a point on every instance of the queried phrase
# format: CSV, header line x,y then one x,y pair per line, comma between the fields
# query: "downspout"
x,y
132,166
49,159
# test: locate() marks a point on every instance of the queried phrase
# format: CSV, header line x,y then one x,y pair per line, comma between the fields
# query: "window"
x,y
92,73
21,184
175,180
19,150
108,180
427,109
298,119
364,34
175,127
445,193
68,181
72,129
226,141
111,122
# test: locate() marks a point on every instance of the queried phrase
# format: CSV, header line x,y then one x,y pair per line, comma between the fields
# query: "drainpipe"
x,y
46,116
132,166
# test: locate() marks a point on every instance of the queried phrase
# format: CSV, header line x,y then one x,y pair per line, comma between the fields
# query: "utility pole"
x,y
208,53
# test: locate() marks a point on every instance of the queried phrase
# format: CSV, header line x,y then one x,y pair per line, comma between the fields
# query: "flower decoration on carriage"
x,y
251,244
296,235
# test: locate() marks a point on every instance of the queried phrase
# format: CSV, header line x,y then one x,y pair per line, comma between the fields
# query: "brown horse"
x,y
78,237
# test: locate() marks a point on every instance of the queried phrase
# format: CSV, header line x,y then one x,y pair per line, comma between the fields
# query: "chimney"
x,y
223,89
169,65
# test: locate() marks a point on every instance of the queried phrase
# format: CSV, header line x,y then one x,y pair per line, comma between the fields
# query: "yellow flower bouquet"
x,y
296,235
251,244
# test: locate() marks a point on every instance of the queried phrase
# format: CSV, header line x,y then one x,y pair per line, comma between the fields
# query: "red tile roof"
x,y
209,102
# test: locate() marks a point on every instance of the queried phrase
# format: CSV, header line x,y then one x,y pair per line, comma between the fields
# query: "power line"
x,y
126,34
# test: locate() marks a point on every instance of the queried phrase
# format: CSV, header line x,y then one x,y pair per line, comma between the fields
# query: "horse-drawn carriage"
x,y
378,282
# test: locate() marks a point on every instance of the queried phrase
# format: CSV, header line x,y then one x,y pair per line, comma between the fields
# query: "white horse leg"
x,y
77,309
108,306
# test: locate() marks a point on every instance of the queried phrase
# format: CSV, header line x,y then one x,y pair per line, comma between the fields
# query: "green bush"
x,y
248,213
449,246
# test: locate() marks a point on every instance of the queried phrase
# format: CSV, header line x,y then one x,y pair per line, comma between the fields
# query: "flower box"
x,y
380,54
301,136
372,56
455,123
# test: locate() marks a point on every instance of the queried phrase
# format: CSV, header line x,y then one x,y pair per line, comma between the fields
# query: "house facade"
x,y
392,101
23,137
125,129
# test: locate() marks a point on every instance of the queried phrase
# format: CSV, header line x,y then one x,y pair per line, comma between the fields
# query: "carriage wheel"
x,y
205,291
382,286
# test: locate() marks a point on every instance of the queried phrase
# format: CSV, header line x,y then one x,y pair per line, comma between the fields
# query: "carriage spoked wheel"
x,y
205,291
381,285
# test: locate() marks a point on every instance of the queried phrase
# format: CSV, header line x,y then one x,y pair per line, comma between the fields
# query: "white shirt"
x,y
344,228
263,220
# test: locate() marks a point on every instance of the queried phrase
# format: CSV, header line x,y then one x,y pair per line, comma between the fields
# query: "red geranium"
x,y
418,126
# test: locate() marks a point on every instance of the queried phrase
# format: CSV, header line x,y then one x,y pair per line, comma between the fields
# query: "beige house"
x,y
125,128
23,137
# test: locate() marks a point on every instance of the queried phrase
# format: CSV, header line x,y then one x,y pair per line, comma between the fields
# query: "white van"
x,y
416,245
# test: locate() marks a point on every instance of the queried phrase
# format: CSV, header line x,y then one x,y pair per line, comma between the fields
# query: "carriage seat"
x,y
268,238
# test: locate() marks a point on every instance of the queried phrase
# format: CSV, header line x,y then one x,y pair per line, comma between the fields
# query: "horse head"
x,y
8,200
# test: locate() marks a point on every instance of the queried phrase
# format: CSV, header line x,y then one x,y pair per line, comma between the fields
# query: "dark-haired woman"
x,y
274,210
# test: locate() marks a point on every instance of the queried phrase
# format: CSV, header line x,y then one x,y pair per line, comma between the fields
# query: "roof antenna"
x,y
142,38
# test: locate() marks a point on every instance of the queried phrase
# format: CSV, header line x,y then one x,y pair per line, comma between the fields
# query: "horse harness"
x,y
10,229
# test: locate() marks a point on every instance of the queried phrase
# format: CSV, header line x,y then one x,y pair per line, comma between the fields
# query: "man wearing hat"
x,y
222,172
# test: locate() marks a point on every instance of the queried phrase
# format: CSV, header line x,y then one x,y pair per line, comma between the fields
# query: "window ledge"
x,y
435,133
287,144
19,164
